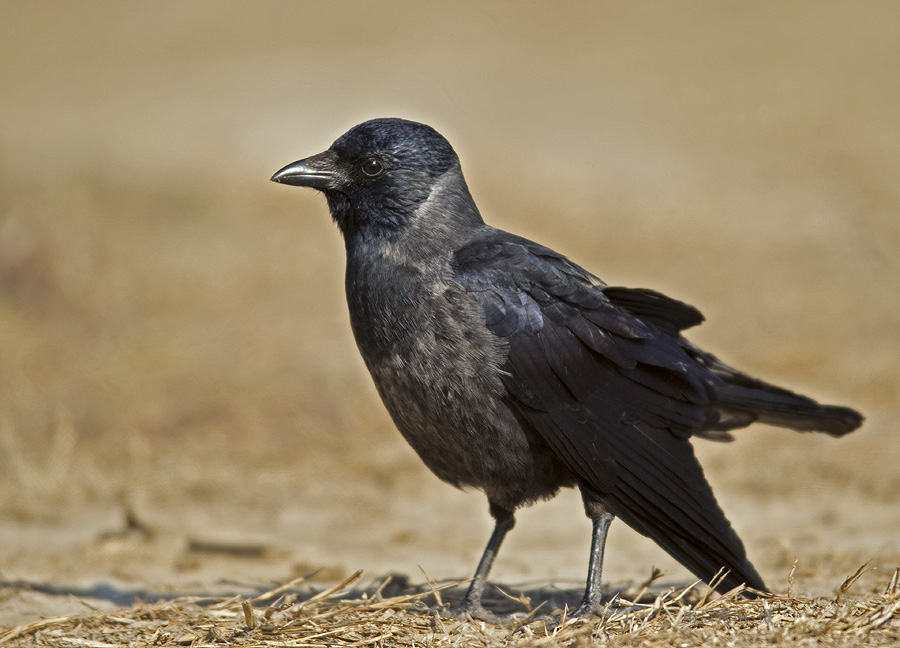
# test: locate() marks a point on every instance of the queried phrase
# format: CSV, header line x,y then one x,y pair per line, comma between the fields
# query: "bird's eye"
x,y
372,167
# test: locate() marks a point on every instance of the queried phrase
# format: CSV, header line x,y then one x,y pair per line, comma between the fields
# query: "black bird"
x,y
511,369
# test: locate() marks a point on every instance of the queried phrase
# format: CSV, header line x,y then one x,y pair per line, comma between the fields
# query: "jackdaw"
x,y
510,369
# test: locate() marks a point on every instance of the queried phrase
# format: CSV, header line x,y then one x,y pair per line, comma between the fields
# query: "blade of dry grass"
x,y
848,583
31,628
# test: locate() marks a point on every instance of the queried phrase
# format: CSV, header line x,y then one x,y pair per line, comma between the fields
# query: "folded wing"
x,y
601,375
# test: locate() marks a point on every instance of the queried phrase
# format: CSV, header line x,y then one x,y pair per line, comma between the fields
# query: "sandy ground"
x,y
182,409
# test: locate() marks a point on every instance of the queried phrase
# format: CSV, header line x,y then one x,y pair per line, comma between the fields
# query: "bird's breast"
x,y
437,369
415,326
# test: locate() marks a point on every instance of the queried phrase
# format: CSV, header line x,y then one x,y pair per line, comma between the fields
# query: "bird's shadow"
x,y
498,598
548,598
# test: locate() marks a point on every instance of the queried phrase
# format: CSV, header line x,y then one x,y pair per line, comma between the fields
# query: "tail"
x,y
783,408
739,399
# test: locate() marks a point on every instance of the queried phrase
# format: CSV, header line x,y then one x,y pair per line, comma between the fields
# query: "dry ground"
x,y
182,409
379,616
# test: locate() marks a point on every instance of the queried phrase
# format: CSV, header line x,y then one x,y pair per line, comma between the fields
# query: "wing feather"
x,y
599,375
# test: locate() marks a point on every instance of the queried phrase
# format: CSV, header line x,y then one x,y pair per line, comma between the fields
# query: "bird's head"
x,y
378,175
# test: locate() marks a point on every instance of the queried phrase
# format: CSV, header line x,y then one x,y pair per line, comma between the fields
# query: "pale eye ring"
x,y
372,167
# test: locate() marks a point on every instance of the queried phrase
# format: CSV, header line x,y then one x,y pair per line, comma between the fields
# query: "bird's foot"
x,y
596,612
469,611
587,610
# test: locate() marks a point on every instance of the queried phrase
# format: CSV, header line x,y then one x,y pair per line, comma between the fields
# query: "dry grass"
x,y
332,617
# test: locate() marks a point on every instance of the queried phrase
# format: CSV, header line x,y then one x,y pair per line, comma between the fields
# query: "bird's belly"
x,y
452,414
437,368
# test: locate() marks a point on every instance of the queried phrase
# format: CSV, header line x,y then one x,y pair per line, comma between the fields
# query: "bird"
x,y
510,369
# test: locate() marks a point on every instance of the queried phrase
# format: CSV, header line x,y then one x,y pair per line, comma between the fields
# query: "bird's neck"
x,y
435,227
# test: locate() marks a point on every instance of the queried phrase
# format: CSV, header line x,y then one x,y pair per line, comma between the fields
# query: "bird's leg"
x,y
471,604
601,517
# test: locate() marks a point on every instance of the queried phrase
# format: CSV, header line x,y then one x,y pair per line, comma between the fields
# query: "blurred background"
x,y
182,405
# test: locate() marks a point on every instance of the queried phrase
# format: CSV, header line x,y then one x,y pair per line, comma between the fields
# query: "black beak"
x,y
317,172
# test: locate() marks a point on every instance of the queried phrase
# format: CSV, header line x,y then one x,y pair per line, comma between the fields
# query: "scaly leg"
x,y
471,604
591,603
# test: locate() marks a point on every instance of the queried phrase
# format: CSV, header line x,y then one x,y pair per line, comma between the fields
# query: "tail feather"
x,y
739,399
785,409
